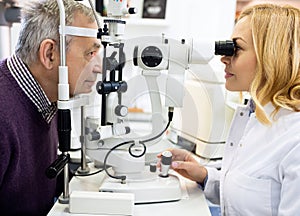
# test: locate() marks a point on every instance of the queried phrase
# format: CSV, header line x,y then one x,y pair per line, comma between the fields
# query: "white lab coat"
x,y
260,172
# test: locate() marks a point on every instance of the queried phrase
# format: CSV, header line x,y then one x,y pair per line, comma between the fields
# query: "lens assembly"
x,y
226,48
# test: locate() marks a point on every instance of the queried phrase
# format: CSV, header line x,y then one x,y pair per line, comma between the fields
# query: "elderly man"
x,y
28,82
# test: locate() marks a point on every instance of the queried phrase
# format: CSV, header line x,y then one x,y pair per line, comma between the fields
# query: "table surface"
x,y
192,203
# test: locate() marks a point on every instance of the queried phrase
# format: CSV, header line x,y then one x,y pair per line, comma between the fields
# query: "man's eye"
x,y
92,54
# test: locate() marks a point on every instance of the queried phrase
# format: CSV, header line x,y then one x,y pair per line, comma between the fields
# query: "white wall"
x,y
202,18
212,19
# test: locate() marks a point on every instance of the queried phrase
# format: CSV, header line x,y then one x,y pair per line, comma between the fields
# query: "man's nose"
x,y
97,69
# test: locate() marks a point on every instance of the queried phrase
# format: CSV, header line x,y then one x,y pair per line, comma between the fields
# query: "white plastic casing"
x,y
88,202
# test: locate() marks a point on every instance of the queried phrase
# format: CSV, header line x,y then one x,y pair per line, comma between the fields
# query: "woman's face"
x,y
240,68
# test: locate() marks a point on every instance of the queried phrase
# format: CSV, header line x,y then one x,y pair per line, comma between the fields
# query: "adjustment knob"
x,y
166,161
132,10
121,110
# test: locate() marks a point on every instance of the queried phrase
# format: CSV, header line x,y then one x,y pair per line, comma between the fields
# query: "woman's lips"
x,y
228,75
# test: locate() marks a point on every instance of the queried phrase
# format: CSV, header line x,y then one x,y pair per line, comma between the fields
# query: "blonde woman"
x,y
260,172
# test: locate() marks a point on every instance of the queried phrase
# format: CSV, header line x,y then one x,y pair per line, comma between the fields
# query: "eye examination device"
x,y
108,138
112,141
226,48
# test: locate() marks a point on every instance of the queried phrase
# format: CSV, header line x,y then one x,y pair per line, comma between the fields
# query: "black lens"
x,y
151,56
224,48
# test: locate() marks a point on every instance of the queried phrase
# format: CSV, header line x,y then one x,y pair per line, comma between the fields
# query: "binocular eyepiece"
x,y
226,48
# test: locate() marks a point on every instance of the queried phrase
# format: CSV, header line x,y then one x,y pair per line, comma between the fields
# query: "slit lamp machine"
x,y
110,140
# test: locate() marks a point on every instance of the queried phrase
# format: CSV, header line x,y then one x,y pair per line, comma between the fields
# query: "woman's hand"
x,y
185,164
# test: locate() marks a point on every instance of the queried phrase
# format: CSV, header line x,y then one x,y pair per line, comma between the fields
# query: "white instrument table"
x,y
193,201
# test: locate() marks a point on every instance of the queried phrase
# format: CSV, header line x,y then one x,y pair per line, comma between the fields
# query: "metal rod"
x,y
65,198
103,96
83,168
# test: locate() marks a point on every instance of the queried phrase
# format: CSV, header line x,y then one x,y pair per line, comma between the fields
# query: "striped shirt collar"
x,y
31,87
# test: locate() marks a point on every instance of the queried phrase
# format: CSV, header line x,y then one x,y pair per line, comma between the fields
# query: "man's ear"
x,y
48,53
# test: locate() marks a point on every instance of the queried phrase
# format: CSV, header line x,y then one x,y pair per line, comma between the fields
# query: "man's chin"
x,y
83,91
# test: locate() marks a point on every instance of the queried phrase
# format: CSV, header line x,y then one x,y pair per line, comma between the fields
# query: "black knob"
x,y
132,10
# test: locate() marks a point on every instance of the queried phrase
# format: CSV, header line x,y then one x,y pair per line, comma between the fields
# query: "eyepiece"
x,y
224,48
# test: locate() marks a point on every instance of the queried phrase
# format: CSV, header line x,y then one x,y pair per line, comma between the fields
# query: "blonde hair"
x,y
276,38
40,21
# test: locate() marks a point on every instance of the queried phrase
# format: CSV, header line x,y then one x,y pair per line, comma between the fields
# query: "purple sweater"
x,y
28,145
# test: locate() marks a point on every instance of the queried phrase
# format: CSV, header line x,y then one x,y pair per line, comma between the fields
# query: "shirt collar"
x,y
31,87
269,109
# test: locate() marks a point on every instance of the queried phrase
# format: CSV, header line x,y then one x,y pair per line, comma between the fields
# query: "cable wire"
x,y
88,174
170,117
123,178
132,144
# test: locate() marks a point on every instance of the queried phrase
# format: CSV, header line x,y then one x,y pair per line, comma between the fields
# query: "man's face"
x,y
83,60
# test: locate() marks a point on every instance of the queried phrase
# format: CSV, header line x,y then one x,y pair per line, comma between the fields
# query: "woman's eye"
x,y
236,50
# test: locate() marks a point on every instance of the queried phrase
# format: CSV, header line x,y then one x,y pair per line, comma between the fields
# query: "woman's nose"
x,y
225,59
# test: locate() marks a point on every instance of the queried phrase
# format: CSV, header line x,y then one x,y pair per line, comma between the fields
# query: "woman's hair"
x,y
40,20
276,38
